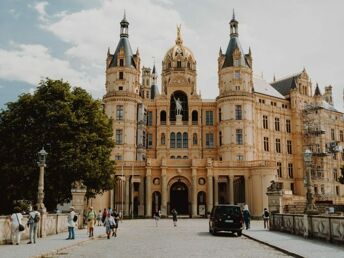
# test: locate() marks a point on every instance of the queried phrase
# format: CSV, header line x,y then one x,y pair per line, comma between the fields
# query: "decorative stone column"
x,y
148,190
216,190
275,204
127,199
210,185
231,189
247,198
78,200
163,190
194,192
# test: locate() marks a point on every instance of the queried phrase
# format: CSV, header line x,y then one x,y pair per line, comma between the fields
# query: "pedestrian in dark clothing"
x,y
174,217
247,216
266,216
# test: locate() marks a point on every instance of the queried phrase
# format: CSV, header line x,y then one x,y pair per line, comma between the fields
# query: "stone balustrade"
x,y
325,227
53,224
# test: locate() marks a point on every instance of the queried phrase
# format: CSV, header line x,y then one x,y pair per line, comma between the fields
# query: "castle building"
x,y
177,150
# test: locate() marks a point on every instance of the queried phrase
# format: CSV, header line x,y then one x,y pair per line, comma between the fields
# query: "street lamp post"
x,y
310,206
42,154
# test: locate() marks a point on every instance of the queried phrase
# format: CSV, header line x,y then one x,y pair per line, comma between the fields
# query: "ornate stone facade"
x,y
177,150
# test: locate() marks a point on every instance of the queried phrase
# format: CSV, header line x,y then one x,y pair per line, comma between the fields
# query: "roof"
x,y
284,86
129,56
232,45
261,86
317,91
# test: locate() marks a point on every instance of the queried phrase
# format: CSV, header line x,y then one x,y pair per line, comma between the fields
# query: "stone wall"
x,y
329,227
53,224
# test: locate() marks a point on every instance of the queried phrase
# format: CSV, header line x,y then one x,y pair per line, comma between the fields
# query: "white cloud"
x,y
40,8
31,63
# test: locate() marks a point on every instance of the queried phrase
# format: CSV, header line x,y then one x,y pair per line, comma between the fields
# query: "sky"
x,y
68,39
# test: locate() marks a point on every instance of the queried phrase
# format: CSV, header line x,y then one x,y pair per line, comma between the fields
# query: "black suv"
x,y
226,218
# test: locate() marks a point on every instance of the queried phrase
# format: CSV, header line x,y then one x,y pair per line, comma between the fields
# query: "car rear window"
x,y
227,210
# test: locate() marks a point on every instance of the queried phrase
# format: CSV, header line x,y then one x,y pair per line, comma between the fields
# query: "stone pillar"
x,y
216,190
78,200
231,189
163,191
141,197
127,189
194,192
148,192
112,198
210,185
274,198
247,198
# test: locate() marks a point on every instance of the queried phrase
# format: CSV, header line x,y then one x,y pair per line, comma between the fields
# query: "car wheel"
x,y
239,233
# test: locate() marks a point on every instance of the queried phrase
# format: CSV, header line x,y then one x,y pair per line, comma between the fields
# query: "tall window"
x,y
333,138
238,112
172,140
149,140
279,169
238,134
265,122
288,126
209,118
289,147
119,112
194,139
277,124
144,138
278,145
185,140
163,139
266,144
179,64
290,170
149,118
118,157
220,138
121,62
220,115
121,76
163,117
194,117
179,140
119,134
341,136
209,142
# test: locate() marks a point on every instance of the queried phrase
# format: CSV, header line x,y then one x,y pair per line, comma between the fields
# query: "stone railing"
x,y
326,227
52,223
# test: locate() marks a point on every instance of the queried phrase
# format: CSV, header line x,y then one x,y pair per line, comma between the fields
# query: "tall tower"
x,y
122,99
235,101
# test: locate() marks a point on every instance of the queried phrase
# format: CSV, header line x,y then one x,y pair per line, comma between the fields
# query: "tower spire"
x,y
234,26
124,26
179,40
233,15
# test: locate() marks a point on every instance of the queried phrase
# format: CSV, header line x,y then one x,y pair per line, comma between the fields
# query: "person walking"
x,y
109,224
116,218
91,219
157,217
99,217
266,217
247,216
34,218
71,224
174,217
16,226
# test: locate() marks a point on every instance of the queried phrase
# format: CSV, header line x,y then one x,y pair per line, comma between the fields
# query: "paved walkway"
x,y
294,244
48,245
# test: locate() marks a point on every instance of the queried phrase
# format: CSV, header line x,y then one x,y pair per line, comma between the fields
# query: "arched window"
x,y
220,138
163,117
179,140
179,64
172,157
172,140
162,139
194,139
185,140
194,117
189,65
220,115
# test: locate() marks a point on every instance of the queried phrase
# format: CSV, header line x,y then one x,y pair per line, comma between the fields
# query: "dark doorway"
x,y
239,189
179,198
136,206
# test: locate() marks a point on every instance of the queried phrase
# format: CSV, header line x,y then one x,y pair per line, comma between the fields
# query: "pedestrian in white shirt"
x,y
16,219
71,224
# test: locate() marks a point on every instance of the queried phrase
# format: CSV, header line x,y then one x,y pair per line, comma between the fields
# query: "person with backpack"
x,y
91,221
266,217
34,218
71,224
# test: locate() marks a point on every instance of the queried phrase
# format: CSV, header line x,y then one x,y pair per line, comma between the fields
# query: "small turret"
x,y
328,95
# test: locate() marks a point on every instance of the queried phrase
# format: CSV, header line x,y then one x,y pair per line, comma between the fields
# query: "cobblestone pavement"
x,y
141,238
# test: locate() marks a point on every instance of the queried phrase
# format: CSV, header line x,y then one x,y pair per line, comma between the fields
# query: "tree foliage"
x,y
76,134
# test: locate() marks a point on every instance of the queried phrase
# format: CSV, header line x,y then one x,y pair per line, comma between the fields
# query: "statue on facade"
x,y
179,107
78,185
274,186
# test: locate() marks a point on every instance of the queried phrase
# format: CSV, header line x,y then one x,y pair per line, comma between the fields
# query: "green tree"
x,y
76,134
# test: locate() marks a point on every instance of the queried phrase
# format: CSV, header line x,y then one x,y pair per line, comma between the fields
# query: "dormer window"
x,y
121,62
121,76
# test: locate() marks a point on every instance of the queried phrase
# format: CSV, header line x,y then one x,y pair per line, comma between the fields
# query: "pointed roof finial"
x,y
179,40
249,51
124,16
317,91
274,77
233,18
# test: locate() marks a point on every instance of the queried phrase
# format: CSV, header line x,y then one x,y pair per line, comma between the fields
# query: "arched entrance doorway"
x,y
179,198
